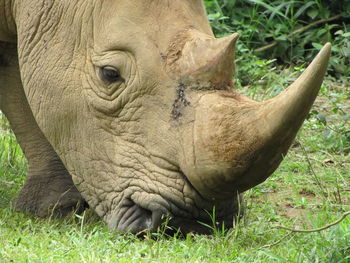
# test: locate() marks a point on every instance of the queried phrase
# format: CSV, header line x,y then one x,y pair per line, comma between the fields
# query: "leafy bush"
x,y
288,31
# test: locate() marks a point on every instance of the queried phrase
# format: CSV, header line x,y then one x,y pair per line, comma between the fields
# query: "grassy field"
x,y
309,190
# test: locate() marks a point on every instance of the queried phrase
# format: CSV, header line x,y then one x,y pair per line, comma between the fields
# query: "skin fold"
x,y
129,107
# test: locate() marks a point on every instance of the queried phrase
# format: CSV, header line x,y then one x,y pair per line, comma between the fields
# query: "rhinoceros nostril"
x,y
135,219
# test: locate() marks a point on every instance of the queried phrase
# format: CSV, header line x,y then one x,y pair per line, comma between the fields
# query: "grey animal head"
x,y
137,100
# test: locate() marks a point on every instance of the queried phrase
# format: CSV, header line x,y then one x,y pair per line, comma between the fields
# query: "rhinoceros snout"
x,y
135,219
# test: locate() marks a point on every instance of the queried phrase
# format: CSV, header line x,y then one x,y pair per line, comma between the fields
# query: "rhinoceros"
x,y
128,107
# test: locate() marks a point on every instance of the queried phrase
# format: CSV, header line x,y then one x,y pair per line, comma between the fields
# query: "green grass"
x,y
310,189
12,164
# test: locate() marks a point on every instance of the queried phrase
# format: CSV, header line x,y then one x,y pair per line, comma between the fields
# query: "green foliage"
x,y
335,124
286,25
10,152
12,163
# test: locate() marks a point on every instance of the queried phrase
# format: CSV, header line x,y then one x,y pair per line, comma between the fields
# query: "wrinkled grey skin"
x,y
167,136
119,141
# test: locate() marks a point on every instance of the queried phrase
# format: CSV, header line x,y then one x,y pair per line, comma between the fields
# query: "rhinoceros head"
x,y
137,99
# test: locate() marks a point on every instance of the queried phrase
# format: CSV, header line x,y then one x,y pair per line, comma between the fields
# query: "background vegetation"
x,y
310,189
284,32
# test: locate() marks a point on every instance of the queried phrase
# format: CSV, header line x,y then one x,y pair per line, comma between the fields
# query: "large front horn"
x,y
238,143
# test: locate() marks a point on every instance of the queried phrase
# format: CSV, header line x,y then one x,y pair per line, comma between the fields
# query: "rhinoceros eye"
x,y
110,75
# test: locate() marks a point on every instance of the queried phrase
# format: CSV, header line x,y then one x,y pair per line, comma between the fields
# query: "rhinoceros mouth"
x,y
150,206
136,218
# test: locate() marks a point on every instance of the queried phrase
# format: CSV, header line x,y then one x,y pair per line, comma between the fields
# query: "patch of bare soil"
x,y
290,205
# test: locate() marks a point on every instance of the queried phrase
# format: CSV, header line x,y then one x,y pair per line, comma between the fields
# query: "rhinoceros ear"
x,y
207,58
